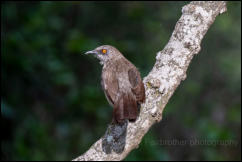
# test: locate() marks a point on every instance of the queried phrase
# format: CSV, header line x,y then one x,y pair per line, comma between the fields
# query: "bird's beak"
x,y
89,52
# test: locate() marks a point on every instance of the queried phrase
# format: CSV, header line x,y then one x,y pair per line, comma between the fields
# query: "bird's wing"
x,y
137,86
125,107
124,102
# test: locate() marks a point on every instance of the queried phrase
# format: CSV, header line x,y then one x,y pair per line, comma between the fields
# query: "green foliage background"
x,y
52,104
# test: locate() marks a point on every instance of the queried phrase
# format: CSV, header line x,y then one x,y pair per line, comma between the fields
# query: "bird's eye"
x,y
104,51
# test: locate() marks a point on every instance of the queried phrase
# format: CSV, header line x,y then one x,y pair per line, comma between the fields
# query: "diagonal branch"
x,y
169,70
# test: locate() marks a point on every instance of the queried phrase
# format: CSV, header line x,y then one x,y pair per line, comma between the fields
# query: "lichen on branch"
x,y
169,70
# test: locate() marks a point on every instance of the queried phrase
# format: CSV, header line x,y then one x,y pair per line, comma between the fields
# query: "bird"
x,y
121,83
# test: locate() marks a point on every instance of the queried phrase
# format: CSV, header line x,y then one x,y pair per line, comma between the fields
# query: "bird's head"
x,y
105,53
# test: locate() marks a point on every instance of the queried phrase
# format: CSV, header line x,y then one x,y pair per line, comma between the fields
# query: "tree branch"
x,y
169,70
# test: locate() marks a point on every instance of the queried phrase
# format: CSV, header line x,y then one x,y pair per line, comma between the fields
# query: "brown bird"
x,y
121,82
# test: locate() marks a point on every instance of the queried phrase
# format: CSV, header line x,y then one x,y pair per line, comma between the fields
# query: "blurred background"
x,y
52,104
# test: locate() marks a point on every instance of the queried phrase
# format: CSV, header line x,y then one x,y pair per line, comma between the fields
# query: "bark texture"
x,y
169,70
